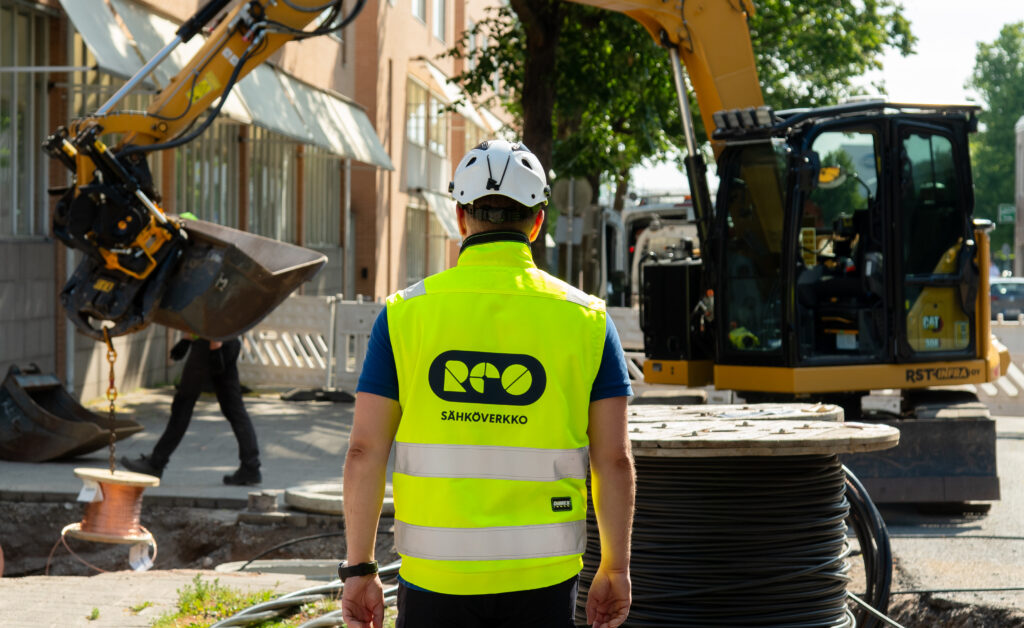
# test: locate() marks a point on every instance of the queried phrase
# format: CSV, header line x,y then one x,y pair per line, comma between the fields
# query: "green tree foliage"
x,y
593,92
998,78
614,99
809,51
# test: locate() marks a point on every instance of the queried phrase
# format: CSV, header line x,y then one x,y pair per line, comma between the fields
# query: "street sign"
x,y
1007,214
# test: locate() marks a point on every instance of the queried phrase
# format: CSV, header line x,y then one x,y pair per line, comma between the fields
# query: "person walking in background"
x,y
215,362
496,382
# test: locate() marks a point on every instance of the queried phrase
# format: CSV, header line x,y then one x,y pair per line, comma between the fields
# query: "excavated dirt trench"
x,y
201,538
195,538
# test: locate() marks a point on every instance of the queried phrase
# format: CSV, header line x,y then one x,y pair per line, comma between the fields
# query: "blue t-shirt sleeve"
x,y
380,375
612,377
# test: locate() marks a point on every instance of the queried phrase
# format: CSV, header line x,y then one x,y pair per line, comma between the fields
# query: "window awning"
x,y
443,207
493,123
151,32
266,97
456,96
337,125
96,24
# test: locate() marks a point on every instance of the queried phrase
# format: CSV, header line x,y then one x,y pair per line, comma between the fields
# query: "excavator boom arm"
x,y
714,44
141,265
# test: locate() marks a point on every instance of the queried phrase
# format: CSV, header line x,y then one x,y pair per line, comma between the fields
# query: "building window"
x,y
426,132
321,174
419,10
471,44
272,185
438,127
437,242
206,175
415,244
23,123
425,243
474,136
91,89
439,19
416,115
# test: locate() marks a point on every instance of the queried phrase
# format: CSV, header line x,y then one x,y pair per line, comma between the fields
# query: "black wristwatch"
x,y
346,571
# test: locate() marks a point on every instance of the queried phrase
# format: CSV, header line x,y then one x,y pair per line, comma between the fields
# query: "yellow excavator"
x,y
839,259
140,264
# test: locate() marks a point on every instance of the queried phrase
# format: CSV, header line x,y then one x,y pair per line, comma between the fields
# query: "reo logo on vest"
x,y
507,379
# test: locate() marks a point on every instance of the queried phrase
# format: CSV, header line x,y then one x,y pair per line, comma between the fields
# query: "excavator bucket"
x,y
228,280
40,421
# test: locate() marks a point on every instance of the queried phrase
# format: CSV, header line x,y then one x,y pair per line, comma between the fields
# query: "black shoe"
x,y
244,476
142,464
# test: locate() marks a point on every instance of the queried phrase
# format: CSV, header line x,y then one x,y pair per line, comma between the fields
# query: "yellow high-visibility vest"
x,y
495,360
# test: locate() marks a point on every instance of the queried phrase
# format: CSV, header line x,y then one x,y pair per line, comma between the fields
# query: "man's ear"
x,y
460,217
538,222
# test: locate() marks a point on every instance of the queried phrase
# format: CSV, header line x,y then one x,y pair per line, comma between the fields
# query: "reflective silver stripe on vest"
x,y
498,543
579,297
418,289
490,462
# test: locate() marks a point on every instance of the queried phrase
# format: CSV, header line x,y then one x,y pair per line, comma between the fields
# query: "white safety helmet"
x,y
496,167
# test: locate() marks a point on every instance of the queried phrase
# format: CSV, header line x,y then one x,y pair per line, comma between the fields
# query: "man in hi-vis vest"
x,y
498,385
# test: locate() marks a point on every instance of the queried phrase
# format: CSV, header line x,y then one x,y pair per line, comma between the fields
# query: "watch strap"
x,y
359,569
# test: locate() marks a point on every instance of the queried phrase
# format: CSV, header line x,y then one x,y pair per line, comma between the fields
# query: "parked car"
x,y
1007,296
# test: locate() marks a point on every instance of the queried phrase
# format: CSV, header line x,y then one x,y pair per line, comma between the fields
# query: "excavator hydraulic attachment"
x,y
216,283
229,280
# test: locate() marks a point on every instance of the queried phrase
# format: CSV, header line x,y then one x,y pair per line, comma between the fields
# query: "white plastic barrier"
x,y
308,342
354,321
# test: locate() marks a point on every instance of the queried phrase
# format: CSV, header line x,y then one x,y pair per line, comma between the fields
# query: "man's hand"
x,y
609,598
362,602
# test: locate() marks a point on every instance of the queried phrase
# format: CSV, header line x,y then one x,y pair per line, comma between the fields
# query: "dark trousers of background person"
x,y
221,369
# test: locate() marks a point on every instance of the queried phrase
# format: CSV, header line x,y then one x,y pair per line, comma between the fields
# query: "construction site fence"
x,y
309,342
320,342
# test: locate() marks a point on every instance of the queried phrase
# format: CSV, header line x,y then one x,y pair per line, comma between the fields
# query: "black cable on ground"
x,y
876,550
742,541
286,603
288,543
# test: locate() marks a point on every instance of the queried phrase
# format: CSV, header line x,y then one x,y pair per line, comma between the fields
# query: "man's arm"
x,y
373,430
613,485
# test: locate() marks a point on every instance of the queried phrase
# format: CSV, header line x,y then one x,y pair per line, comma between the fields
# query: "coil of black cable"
x,y
736,541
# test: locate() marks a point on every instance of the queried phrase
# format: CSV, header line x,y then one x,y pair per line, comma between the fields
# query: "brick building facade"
x,y
348,130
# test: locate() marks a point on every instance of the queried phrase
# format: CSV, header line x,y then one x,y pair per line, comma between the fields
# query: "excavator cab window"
x,y
840,287
936,245
753,193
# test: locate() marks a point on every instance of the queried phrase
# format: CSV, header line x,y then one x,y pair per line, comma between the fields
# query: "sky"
x,y
947,31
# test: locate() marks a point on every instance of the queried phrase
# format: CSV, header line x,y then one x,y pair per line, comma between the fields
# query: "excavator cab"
x,y
838,246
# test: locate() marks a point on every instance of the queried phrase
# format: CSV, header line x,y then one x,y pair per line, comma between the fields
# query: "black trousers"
x,y
219,367
550,607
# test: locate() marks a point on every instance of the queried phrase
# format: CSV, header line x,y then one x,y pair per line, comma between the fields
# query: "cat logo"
x,y
932,322
508,379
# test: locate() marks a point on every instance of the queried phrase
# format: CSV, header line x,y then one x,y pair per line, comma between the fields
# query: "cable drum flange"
x,y
739,521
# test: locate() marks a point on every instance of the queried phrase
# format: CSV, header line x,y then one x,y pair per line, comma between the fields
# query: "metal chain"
x,y
111,396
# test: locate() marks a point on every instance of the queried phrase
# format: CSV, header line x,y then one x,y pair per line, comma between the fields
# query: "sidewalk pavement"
x,y
305,443
301,443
